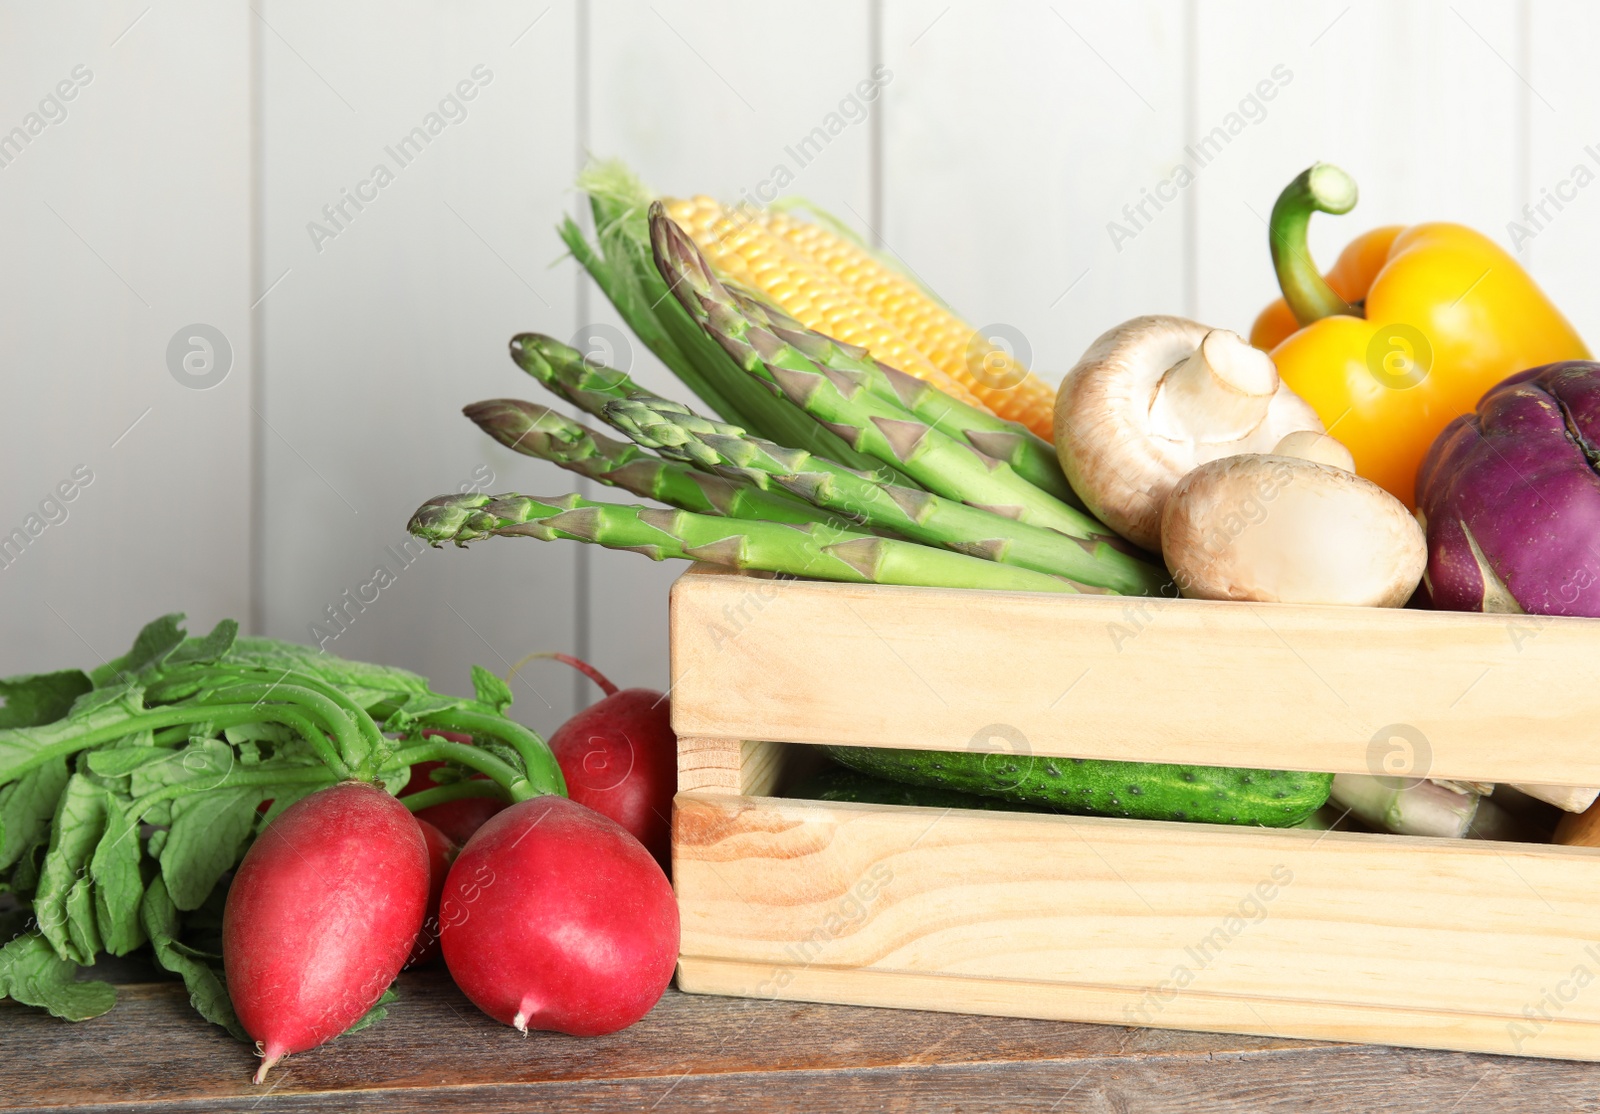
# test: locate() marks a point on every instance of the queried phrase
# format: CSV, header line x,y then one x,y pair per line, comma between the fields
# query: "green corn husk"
x,y
625,271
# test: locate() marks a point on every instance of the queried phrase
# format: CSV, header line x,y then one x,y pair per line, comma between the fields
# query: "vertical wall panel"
x,y
1557,239
385,321
715,99
125,218
1014,135
1417,100
1027,173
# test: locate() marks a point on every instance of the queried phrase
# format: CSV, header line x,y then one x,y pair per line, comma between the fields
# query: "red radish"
x,y
321,916
554,917
442,852
460,818
456,819
620,758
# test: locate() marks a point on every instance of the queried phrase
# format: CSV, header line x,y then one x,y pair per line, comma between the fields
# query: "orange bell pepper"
x,y
1406,332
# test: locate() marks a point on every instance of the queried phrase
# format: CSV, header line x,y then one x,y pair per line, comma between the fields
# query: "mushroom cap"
x,y
1283,529
1113,456
1320,447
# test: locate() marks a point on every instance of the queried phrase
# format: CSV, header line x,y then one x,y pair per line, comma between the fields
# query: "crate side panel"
x,y
1490,698
1154,914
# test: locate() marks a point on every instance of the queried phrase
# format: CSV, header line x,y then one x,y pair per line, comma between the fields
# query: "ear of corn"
x,y
741,245
835,286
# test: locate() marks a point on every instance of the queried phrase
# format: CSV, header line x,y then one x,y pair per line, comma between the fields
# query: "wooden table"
x,y
435,1052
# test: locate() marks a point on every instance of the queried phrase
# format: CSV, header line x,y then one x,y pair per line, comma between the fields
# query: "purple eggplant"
x,y
1510,498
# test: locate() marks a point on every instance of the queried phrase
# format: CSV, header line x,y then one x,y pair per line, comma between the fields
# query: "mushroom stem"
x,y
1218,393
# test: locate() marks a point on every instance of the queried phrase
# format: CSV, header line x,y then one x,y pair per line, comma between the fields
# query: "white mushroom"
x,y
1283,528
1318,447
1155,397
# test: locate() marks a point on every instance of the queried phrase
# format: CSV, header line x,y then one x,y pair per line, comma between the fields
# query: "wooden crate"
x,y
1466,945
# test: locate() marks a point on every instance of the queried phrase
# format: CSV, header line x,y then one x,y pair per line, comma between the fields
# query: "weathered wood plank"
x,y
435,1037
435,1051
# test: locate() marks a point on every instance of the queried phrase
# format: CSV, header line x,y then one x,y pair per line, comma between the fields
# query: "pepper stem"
x,y
1321,188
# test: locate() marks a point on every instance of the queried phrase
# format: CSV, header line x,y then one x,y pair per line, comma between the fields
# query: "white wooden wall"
x,y
179,187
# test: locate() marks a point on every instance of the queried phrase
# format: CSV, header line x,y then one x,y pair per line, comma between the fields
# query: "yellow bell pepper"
x,y
1407,331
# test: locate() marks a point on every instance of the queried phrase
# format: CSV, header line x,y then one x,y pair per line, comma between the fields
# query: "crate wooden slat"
x,y
1128,922
1231,684
1465,945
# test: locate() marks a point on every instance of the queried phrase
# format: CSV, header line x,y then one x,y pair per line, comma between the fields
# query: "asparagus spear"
x,y
914,514
841,401
562,369
1406,806
813,550
538,431
591,388
1030,456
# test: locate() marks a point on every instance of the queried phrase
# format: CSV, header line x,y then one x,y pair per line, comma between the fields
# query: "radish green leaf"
x,y
34,975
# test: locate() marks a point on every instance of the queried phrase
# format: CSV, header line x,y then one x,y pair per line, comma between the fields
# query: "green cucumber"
x,y
1136,790
840,783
